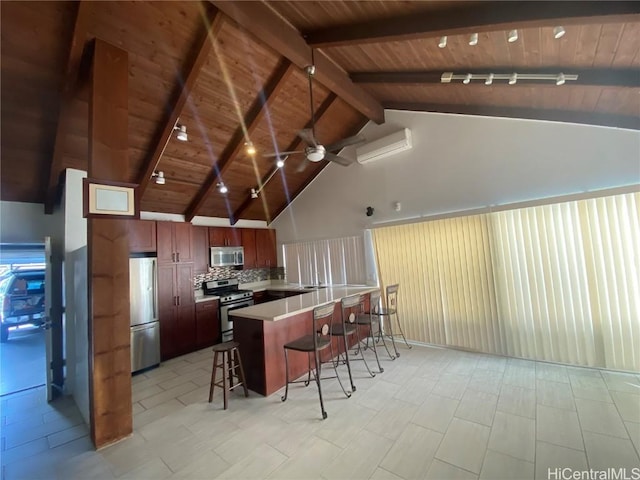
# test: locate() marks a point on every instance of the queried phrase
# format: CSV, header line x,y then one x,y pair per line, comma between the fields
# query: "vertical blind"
x,y
555,282
337,261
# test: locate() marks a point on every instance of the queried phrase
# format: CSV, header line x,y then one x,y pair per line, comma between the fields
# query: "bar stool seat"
x,y
231,366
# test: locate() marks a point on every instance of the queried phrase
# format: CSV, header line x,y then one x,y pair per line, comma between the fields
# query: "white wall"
x,y
460,163
25,223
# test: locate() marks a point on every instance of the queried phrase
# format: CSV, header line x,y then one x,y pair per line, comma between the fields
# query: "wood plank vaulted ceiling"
x,y
234,71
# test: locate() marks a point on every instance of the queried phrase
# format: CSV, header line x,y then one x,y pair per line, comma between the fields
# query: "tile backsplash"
x,y
245,276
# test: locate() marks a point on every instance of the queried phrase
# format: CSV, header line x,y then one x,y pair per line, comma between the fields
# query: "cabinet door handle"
x,y
177,257
178,300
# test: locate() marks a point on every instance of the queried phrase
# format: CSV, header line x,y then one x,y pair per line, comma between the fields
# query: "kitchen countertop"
x,y
206,298
287,307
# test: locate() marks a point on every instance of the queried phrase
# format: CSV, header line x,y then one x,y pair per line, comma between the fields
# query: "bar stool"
x,y
231,366
312,345
389,311
372,318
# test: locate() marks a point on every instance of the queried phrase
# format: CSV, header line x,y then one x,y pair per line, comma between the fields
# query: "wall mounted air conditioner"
x,y
383,147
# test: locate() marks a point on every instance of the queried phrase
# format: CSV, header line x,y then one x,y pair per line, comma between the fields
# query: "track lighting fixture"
x,y
250,147
489,79
513,36
182,132
467,79
473,39
222,188
159,177
513,78
561,79
558,32
280,162
443,42
254,193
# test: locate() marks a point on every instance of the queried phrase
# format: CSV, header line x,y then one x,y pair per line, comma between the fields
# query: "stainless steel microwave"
x,y
227,256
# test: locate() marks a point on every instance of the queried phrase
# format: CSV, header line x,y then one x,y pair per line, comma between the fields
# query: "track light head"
x,y
513,79
182,132
513,36
280,162
561,79
473,39
489,79
443,42
254,193
158,177
222,188
250,147
467,79
558,32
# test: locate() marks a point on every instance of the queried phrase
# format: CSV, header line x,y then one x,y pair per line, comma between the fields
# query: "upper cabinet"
x,y
266,253
142,236
249,244
175,242
224,237
200,249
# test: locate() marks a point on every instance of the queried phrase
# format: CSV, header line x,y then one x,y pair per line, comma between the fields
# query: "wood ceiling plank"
x,y
622,77
242,133
628,53
276,32
483,17
72,70
213,22
589,118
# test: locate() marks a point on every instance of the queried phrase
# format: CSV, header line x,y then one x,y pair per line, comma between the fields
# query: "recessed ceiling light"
x,y
473,39
513,36
443,41
558,32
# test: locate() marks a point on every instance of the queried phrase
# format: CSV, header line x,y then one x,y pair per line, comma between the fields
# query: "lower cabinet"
x,y
176,305
260,297
207,324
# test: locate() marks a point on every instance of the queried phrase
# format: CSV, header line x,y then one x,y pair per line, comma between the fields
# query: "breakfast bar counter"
x,y
262,330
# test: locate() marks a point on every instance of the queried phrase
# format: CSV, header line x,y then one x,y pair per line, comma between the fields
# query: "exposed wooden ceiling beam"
x,y
255,113
588,118
617,77
212,24
291,147
74,59
259,19
483,17
306,183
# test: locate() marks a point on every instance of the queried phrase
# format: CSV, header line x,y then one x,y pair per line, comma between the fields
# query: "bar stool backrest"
x,y
374,302
322,319
351,307
392,296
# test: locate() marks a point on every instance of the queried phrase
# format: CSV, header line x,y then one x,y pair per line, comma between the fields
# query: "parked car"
x,y
22,300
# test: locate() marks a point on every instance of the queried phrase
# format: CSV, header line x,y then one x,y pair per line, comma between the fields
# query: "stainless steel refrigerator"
x,y
145,328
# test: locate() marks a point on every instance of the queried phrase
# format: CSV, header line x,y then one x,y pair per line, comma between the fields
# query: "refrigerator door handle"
x,y
155,290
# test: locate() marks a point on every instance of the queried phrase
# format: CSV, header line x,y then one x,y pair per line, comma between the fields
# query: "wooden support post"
x,y
108,253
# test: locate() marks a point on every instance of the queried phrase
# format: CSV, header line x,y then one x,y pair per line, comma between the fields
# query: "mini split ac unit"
x,y
383,147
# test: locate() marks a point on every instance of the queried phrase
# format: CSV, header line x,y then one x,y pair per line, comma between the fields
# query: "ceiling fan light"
x,y
513,36
560,79
443,42
467,79
182,132
489,79
473,39
315,154
558,32
513,79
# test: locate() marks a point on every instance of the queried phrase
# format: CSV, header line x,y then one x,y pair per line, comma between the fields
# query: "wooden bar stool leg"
x,y
241,372
225,375
230,367
213,375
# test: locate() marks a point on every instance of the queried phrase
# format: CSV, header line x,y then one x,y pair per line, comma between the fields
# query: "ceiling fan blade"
x,y
345,142
332,157
281,154
303,165
308,136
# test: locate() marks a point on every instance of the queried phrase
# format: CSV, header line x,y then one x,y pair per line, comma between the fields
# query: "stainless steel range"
x,y
231,297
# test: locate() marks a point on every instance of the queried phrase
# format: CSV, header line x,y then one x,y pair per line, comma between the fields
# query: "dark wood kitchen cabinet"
x,y
250,249
266,253
142,236
224,237
200,249
260,297
175,242
207,323
176,305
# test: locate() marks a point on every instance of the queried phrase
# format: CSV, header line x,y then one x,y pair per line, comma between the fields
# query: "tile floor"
x,y
434,413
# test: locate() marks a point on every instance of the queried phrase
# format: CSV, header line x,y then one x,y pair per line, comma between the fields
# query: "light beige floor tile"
x,y
391,420
451,386
478,407
345,424
137,408
206,465
488,381
628,405
551,372
552,457
473,436
166,395
361,458
436,413
596,394
151,470
443,471
416,390
259,464
412,453
24,451
377,395
558,426
491,362
621,382
238,446
85,465
517,401
634,433
555,394
141,394
519,377
583,372
315,456
600,417
129,454
66,436
513,435
382,474
605,452
180,379
499,466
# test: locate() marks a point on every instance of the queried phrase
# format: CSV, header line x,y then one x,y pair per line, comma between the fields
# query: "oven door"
x,y
226,322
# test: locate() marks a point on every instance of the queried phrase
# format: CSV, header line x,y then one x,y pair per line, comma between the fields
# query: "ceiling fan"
x,y
316,151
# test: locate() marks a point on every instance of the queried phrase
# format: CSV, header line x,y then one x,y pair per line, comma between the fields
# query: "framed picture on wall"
x,y
102,199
